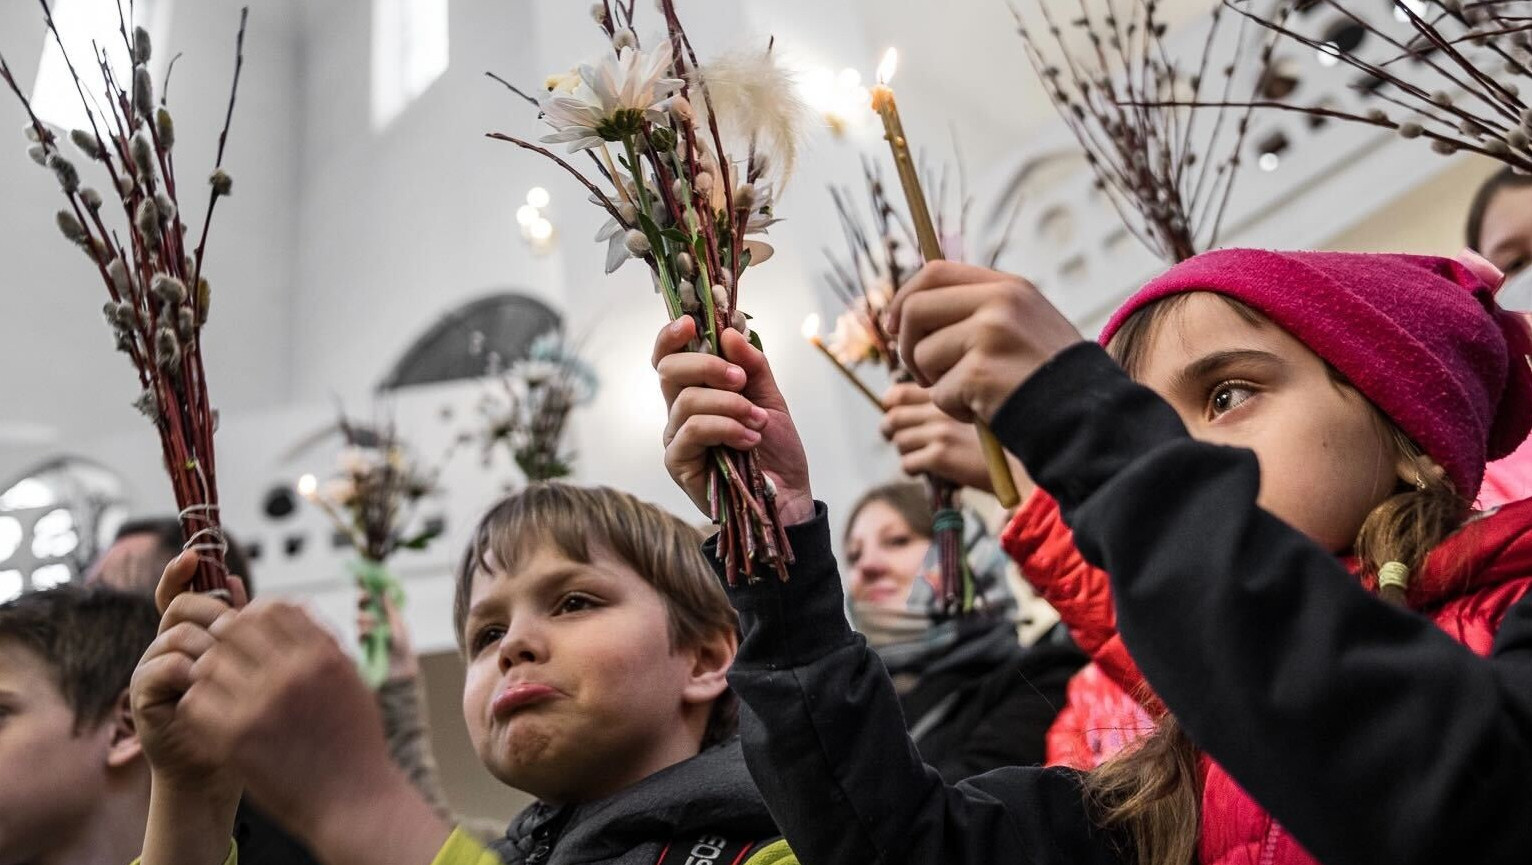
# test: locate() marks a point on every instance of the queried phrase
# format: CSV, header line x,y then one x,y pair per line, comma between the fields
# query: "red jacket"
x,y
1466,586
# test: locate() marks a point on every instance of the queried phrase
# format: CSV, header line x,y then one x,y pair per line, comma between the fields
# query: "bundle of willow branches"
x,y
1166,169
686,204
158,293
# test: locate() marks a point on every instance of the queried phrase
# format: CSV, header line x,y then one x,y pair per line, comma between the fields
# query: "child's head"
x,y
887,537
597,639
1500,221
1355,378
67,743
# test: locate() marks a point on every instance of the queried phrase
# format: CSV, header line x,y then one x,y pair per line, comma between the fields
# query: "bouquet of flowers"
x,y
158,293
1126,99
528,410
658,126
371,500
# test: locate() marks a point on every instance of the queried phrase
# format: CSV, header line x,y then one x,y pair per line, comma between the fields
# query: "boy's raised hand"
x,y
177,753
732,401
194,791
974,335
287,704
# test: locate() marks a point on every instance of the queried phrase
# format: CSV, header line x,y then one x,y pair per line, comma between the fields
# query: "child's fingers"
x,y
695,369
698,433
936,274
914,438
176,578
903,417
238,594
673,338
941,350
698,401
905,394
185,638
200,610
932,310
160,679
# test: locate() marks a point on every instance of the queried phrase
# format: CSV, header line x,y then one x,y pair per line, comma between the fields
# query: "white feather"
x,y
755,99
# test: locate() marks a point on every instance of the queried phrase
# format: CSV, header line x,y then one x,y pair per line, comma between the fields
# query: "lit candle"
x,y
811,333
931,249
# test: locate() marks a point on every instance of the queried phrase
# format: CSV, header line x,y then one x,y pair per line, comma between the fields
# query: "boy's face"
x,y
51,776
573,691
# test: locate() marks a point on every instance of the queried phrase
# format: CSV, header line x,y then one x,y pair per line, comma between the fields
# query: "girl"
x,y
957,677
1340,410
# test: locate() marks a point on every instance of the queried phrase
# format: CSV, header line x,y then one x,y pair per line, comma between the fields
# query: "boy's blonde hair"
x,y
661,548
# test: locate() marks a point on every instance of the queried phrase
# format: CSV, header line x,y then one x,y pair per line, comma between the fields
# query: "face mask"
x,y
1516,294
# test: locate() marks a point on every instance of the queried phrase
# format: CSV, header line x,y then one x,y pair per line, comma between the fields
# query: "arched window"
x,y
54,521
464,342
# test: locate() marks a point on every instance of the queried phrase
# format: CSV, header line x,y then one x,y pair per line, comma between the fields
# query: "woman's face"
x,y
884,556
1505,234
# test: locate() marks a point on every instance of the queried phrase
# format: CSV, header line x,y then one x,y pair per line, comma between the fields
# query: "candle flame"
x,y
889,66
307,486
811,326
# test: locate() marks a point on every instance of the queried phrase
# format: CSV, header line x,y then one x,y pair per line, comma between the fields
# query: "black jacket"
x,y
708,796
990,703
1369,733
826,744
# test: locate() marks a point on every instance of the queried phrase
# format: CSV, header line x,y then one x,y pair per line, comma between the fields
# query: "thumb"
x,y
760,383
177,576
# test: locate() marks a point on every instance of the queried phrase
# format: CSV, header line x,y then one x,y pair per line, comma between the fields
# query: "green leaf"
x,y
755,340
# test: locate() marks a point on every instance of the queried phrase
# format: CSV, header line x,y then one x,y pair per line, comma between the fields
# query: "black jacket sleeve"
x,y
1368,733
826,744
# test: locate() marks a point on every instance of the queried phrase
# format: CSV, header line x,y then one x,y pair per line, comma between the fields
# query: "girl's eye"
x,y
899,541
575,603
1228,396
1516,266
486,637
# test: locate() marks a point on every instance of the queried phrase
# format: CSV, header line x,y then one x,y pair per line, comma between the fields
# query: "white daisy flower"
x,y
612,100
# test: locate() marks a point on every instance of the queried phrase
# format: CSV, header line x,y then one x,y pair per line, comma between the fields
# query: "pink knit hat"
x,y
1420,336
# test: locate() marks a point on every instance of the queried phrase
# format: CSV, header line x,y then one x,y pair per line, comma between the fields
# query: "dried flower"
x,y
117,271
563,83
91,198
143,93
625,38
148,404
1411,130
165,127
166,206
68,176
221,182
142,152
637,243
612,101
125,187
141,47
167,349
147,220
70,227
88,143
167,288
756,99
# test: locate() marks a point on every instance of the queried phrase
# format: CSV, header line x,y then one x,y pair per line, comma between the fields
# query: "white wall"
x,y
62,371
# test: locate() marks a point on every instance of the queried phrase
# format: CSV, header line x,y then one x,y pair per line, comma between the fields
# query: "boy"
x,y
74,784
597,642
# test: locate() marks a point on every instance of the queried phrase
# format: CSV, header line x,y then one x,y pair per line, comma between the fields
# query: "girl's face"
x,y
1506,231
1325,462
884,556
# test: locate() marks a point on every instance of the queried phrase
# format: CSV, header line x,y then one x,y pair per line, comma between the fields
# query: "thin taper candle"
x,y
931,248
811,333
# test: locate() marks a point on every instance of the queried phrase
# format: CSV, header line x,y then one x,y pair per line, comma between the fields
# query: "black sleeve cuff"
x,y
1079,420
787,624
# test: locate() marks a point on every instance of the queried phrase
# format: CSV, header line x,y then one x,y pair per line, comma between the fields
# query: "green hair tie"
x,y
1395,574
